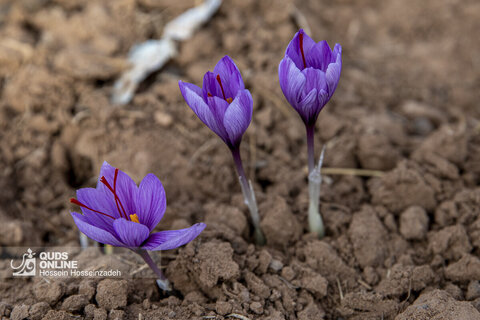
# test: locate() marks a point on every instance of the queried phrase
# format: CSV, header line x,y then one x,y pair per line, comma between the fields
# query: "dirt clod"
x,y
58,315
20,312
402,279
38,310
278,222
371,304
87,288
75,303
321,257
401,188
229,216
223,307
440,305
465,269
112,294
315,283
257,285
49,292
117,315
451,242
256,307
414,223
473,290
100,314
367,235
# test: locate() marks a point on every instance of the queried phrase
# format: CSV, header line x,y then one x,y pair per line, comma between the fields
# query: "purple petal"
x,y
315,79
230,76
293,50
320,56
337,50
132,234
333,71
196,89
308,107
94,232
315,86
201,109
291,81
97,200
171,239
210,85
323,98
238,116
218,107
126,189
151,201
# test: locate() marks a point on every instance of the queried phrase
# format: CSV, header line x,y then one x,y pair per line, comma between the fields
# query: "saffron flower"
x,y
309,74
225,106
119,213
223,103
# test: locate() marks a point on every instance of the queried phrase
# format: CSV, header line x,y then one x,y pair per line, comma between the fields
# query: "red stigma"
x,y
114,191
118,203
117,199
78,203
221,86
300,40
209,94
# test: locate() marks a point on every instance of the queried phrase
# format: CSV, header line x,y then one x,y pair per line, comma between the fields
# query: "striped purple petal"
x,y
95,233
309,74
132,234
151,201
223,103
238,116
171,239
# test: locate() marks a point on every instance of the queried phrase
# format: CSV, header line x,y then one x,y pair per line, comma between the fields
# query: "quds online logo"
x,y
55,264
27,267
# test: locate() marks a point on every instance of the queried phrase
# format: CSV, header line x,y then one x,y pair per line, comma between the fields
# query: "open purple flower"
x,y
309,74
223,103
119,213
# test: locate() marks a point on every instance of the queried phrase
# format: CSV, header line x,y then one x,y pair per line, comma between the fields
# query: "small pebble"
x,y
256,307
473,290
163,119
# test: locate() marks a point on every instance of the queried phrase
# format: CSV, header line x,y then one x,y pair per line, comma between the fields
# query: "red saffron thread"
x,y
300,40
78,203
117,199
115,193
221,86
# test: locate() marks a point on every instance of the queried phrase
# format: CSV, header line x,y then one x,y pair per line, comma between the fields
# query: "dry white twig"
x,y
152,55
183,26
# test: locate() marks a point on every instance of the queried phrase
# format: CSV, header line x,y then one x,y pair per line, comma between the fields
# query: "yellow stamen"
x,y
134,218
229,100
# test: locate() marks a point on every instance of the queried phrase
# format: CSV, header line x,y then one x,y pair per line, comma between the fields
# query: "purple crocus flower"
x,y
223,103
119,213
225,106
309,74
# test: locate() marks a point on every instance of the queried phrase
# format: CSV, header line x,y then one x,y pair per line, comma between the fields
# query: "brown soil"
x,y
401,246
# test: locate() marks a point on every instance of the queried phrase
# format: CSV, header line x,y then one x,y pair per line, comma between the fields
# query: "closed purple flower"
x,y
309,74
223,103
119,213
